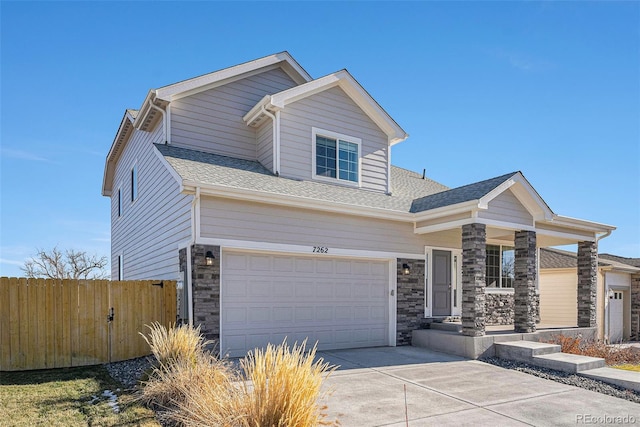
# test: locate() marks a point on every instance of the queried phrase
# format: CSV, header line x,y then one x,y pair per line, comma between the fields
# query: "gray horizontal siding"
x,y
229,219
506,207
334,111
150,228
212,120
265,145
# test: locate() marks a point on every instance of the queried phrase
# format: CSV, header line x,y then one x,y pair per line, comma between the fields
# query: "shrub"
x,y
280,386
172,387
284,386
176,343
612,354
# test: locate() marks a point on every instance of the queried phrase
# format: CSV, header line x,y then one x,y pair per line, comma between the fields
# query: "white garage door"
x,y
341,303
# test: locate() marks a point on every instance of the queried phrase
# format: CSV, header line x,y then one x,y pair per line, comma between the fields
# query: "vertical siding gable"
x,y
212,120
150,228
332,110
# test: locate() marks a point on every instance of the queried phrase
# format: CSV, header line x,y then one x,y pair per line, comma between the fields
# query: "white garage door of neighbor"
x,y
341,303
616,323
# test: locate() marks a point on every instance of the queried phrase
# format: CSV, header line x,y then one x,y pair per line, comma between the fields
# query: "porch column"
x,y
525,309
474,266
587,283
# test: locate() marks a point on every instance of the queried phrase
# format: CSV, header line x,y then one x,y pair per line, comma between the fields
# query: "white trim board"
x,y
303,249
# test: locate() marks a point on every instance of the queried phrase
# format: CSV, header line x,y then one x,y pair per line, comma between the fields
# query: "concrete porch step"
x,y
446,326
626,379
546,355
572,363
524,351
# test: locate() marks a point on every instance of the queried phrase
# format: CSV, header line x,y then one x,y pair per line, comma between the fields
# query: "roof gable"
x,y
228,75
348,84
124,131
480,194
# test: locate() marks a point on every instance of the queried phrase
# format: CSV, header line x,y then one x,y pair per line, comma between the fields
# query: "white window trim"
x,y
135,184
501,246
337,136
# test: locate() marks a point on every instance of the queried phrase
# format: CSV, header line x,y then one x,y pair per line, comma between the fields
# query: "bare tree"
x,y
70,264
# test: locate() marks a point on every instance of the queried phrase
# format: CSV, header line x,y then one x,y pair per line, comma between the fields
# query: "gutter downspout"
x,y
278,142
164,119
276,145
168,135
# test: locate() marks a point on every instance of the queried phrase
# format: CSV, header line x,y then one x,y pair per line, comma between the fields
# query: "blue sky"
x,y
484,88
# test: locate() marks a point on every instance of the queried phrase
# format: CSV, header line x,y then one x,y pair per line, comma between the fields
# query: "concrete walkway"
x,y
445,390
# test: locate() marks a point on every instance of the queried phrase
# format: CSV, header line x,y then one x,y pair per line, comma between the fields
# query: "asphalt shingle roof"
x,y
410,192
556,258
634,262
458,195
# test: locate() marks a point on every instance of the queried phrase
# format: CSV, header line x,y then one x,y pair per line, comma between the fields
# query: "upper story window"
x,y
336,156
500,266
134,182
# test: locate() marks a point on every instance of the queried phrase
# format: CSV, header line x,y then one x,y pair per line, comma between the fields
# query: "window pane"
x,y
508,266
348,161
325,157
493,266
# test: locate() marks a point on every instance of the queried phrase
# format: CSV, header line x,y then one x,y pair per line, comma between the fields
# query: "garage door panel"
x,y
260,263
304,265
304,289
339,303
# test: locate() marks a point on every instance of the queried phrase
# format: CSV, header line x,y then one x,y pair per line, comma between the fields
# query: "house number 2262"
x,y
320,250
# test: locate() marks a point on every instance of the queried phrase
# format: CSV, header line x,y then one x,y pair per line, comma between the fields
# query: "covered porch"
x,y
482,256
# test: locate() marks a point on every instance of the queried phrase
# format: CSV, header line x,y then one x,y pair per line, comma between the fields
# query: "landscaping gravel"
x,y
566,378
129,372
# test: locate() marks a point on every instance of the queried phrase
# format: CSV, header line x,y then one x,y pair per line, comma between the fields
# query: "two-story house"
x,y
271,197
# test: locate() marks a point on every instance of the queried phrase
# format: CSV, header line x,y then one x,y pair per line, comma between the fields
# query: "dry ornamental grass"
x,y
279,386
612,354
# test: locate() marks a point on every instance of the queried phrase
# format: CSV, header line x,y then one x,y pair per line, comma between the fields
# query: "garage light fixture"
x,y
405,269
209,258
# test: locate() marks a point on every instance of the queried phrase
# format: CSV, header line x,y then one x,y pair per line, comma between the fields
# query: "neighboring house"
x,y
270,196
618,302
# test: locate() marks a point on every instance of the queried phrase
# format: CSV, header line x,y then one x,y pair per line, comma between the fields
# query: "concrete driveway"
x,y
444,390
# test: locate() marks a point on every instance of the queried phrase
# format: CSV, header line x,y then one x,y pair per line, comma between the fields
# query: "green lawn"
x,y
67,397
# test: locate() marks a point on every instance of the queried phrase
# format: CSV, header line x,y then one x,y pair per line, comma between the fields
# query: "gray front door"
x,y
441,283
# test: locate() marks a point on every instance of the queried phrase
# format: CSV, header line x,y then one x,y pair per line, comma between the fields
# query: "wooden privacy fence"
x,y
47,323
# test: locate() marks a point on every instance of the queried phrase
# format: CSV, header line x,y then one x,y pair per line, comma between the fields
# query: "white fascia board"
x,y
109,164
295,201
483,203
458,208
524,192
168,167
144,109
581,224
565,235
176,90
354,90
256,110
459,223
250,245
